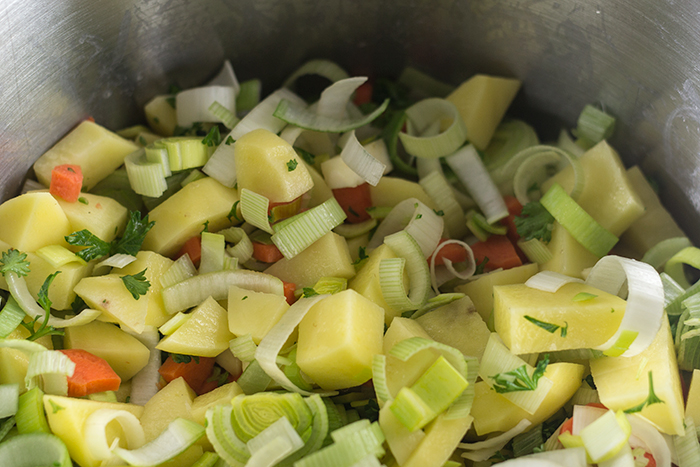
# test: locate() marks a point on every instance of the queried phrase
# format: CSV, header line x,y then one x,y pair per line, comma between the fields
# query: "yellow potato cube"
x,y
692,408
66,417
327,257
124,353
171,402
269,166
482,102
33,220
441,439
569,257
160,115
390,191
588,323
155,266
97,151
338,338
101,215
219,396
182,216
366,282
204,334
254,313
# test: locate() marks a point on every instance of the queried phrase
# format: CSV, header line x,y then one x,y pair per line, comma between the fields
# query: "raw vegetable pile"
x,y
376,273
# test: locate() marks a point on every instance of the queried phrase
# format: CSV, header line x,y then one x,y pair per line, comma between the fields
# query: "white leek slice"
x,y
119,260
57,255
606,436
53,367
665,250
532,167
243,348
584,415
221,166
145,178
18,289
222,436
483,450
334,98
351,448
466,273
429,113
326,68
652,439
417,219
674,266
34,449
261,116
379,379
361,161
178,436
192,105
28,347
193,291
270,346
227,117
273,444
440,191
550,281
311,225
437,302
226,77
95,427
9,399
645,302
255,209
470,170
319,429
291,133
10,317
181,269
302,117
213,252
391,271
687,446
242,248
497,360
379,151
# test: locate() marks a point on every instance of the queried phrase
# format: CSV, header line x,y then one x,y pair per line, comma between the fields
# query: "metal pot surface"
x,y
64,60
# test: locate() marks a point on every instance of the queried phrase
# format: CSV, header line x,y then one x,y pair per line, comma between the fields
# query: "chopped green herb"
x,y
612,310
549,327
171,100
174,89
218,376
308,292
244,298
70,169
361,255
96,248
534,222
136,284
44,329
352,211
589,379
439,213
652,398
136,230
292,164
43,295
419,216
143,141
306,155
229,141
534,187
83,201
518,379
234,212
564,329
177,358
583,297
213,138
14,261
55,406
480,267
78,305
156,120
206,226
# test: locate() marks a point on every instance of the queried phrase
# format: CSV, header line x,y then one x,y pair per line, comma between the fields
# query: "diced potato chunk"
x,y
161,115
33,220
155,266
481,290
457,325
66,417
390,191
173,401
623,382
366,282
441,439
482,102
569,257
692,408
589,323
109,295
327,257
124,353
204,334
182,216
97,151
101,215
269,166
254,313
338,338
493,412
607,193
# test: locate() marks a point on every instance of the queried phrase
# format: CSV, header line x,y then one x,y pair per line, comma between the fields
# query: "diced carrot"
x,y
363,94
195,373
650,458
354,201
66,182
266,253
567,426
289,289
193,247
92,374
90,119
514,209
500,252
453,252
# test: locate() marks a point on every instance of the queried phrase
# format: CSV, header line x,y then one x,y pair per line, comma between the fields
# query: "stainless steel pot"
x,y
63,60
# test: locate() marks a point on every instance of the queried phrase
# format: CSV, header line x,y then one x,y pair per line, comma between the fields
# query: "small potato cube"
x,y
338,338
173,401
33,220
366,281
101,215
254,313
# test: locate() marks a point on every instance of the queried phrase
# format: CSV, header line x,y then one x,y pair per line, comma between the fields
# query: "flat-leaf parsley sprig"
x,y
518,379
45,302
136,284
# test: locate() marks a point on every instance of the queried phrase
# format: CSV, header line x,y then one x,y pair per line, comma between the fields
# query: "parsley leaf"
x,y
652,398
43,295
135,232
549,327
518,379
308,292
361,255
45,303
480,267
83,201
14,261
213,138
306,155
229,141
177,358
534,222
439,213
206,226
233,212
96,248
136,284
292,164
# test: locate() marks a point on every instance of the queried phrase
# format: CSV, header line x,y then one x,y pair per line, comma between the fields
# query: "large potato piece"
x,y
32,221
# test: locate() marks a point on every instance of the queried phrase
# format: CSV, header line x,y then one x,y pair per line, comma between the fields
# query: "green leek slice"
x,y
34,449
361,161
298,115
57,256
391,273
178,436
422,116
660,253
145,178
213,252
96,427
440,191
53,368
10,317
326,68
254,209
30,416
9,399
674,266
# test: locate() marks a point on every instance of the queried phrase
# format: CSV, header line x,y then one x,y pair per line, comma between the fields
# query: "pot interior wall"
x,y
64,60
